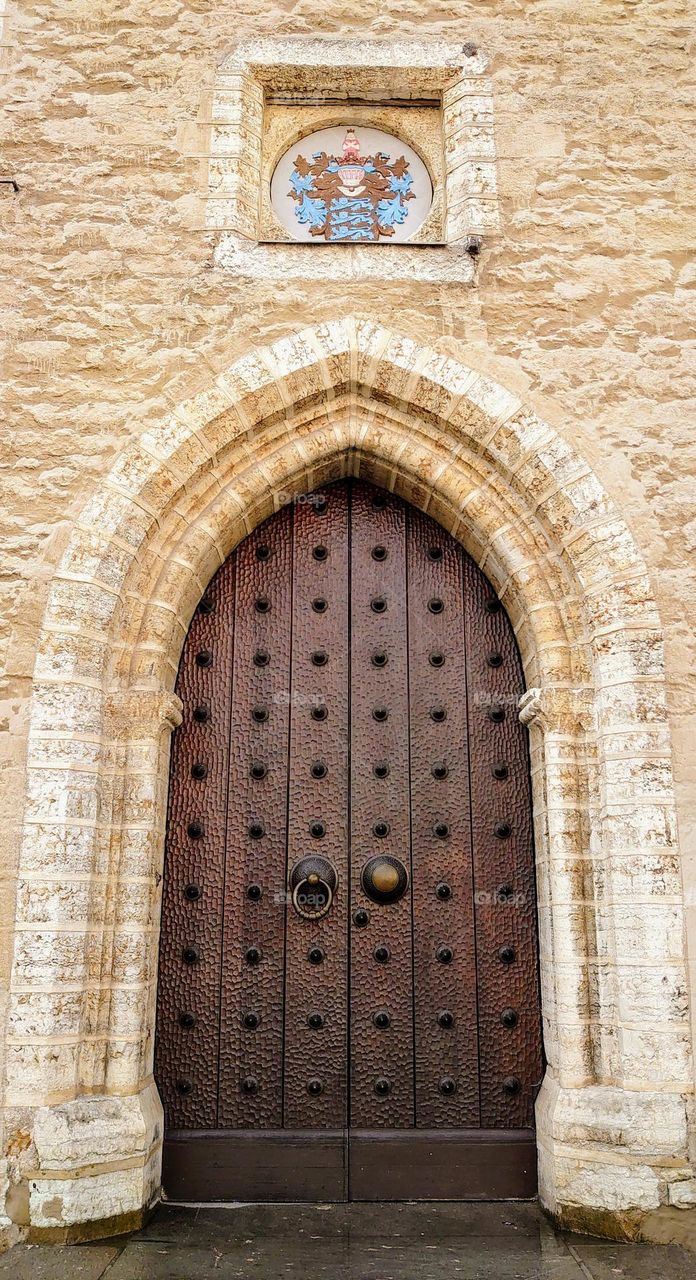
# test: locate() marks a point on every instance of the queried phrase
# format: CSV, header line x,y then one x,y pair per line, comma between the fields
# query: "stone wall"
x,y
582,304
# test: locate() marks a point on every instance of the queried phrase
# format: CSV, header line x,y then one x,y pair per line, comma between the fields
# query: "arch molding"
x,y
351,398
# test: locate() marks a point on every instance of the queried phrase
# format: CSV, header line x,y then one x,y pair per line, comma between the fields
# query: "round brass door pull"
x,y
384,878
313,882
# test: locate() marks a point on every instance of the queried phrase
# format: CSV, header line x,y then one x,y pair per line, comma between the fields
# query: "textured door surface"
x,y
348,1000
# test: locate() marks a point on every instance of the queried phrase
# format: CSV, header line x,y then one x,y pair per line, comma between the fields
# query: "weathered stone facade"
x,y
170,383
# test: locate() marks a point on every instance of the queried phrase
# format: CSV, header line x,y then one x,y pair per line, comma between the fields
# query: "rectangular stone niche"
x,y
270,92
418,125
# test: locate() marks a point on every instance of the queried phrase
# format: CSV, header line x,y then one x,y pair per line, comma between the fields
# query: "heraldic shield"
x,y
351,196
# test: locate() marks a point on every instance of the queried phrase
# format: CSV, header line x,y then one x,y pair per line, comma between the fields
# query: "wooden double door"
x,y
348,999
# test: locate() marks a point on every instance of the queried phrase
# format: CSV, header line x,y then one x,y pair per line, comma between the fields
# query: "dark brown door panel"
x,y
255,1164
348,999
443,1164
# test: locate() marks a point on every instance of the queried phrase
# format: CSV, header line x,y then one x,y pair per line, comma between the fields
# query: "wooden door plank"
x,y
506,922
251,1058
258,1165
316,1057
188,994
379,627
447,1083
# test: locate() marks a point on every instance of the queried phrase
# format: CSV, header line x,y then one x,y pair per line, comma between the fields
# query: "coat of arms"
x,y
351,197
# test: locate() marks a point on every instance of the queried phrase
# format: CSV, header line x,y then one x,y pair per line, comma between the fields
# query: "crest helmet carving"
x,y
351,170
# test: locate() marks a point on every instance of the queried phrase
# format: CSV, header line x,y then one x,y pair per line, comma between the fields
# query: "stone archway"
x,y
350,398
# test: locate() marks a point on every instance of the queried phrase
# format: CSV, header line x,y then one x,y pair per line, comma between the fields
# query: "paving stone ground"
x,y
350,1242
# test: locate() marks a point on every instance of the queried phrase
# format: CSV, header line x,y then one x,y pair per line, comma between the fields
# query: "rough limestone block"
x,y
683,1194
606,1186
75,1138
620,1120
58,1202
91,1131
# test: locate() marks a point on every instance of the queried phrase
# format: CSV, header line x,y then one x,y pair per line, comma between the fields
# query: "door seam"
x,y
349,851
408,525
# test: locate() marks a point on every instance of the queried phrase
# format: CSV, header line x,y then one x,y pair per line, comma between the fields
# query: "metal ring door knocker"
x,y
313,882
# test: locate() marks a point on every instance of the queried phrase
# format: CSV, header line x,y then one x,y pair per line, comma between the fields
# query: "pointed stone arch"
x,y
350,398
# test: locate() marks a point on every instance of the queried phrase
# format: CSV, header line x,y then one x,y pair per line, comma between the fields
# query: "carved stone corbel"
x,y
557,710
144,713
530,707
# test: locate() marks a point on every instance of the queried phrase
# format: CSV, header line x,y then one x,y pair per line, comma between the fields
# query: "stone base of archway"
x,y
610,1157
99,1167
121,1224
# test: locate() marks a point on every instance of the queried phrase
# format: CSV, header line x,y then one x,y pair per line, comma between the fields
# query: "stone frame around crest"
x,y
329,76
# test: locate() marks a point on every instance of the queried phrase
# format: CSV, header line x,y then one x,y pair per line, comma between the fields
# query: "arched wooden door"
x,y
348,999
